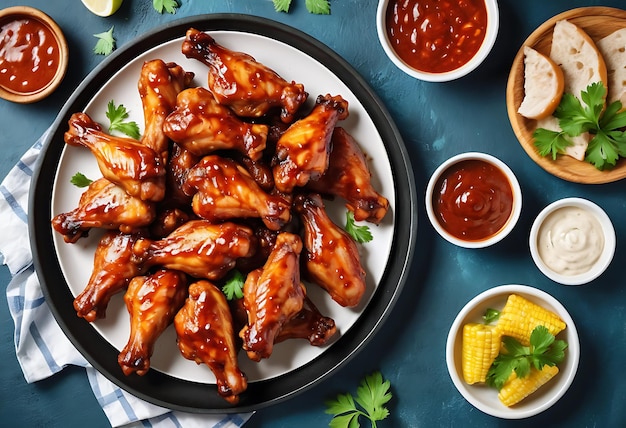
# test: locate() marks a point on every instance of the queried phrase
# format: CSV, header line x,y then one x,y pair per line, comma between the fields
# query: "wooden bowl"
x,y
21,12
598,22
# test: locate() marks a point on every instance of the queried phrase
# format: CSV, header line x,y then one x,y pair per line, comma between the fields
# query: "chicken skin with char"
x,y
124,161
114,266
202,126
104,205
308,324
240,82
224,190
349,177
159,85
273,295
302,151
205,335
198,248
332,258
152,302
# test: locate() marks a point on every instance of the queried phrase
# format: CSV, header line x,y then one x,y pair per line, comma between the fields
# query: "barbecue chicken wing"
x,y
224,190
303,149
159,84
349,177
180,162
238,81
198,248
205,335
152,302
126,162
273,295
308,324
202,126
107,206
331,258
114,266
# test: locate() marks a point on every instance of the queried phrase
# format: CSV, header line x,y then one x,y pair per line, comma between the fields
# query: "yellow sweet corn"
x,y
519,317
516,389
481,345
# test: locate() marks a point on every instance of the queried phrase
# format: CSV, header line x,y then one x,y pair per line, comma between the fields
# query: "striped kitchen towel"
x,y
41,346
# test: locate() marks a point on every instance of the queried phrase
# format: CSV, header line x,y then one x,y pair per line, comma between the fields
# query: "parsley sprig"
x,y
105,44
117,117
233,288
608,142
543,350
168,6
80,180
360,234
317,7
372,395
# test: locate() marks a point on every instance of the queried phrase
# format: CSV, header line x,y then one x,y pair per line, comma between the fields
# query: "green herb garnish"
x,y
318,7
360,234
372,395
168,6
543,350
105,44
608,141
491,315
80,180
233,288
117,116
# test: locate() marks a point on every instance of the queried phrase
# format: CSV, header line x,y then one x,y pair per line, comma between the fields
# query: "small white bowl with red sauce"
x,y
33,55
437,41
473,200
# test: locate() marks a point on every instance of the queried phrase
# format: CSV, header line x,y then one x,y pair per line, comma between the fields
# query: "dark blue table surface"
x,y
436,121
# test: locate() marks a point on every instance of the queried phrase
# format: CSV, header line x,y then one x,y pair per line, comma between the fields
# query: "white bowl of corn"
x,y
493,348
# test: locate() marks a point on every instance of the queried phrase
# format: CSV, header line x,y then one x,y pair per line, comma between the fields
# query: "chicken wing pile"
x,y
231,176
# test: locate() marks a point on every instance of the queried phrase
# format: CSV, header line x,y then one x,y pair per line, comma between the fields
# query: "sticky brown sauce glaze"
x,y
29,55
436,36
473,200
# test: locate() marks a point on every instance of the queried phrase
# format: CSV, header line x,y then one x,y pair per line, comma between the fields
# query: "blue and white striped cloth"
x,y
41,346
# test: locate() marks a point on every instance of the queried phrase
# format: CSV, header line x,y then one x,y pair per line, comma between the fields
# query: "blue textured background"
x,y
437,121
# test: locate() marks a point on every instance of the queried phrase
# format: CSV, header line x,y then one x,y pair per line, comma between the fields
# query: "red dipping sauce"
x,y
29,55
436,36
473,200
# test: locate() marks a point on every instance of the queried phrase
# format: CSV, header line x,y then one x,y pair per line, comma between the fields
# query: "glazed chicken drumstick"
x,y
224,190
302,151
332,258
198,248
126,162
349,177
205,335
159,84
104,205
273,295
238,81
152,302
202,126
114,266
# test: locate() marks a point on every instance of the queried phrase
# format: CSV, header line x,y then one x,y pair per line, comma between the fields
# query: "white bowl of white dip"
x,y
572,241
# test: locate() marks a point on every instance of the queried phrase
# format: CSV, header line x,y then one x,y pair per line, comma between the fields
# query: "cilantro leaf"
x,y
550,142
602,151
117,116
318,7
168,6
372,396
80,180
544,349
105,44
233,288
281,5
360,234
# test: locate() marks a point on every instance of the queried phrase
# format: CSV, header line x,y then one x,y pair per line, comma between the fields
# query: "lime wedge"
x,y
102,7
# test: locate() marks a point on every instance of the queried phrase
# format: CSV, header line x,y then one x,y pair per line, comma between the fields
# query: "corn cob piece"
x,y
519,317
481,345
516,389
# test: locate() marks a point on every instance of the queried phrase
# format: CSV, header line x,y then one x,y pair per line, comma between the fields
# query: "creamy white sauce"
x,y
570,240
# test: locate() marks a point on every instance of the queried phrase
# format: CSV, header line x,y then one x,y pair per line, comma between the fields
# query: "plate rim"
x,y
177,394
589,174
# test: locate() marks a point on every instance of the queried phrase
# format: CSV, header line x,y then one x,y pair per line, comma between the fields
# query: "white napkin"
x,y
41,346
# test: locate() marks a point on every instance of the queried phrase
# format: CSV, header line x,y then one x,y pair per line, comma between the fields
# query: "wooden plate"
x,y
598,22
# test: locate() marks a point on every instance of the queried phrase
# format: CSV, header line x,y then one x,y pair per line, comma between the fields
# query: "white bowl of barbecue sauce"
x,y
437,41
572,241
